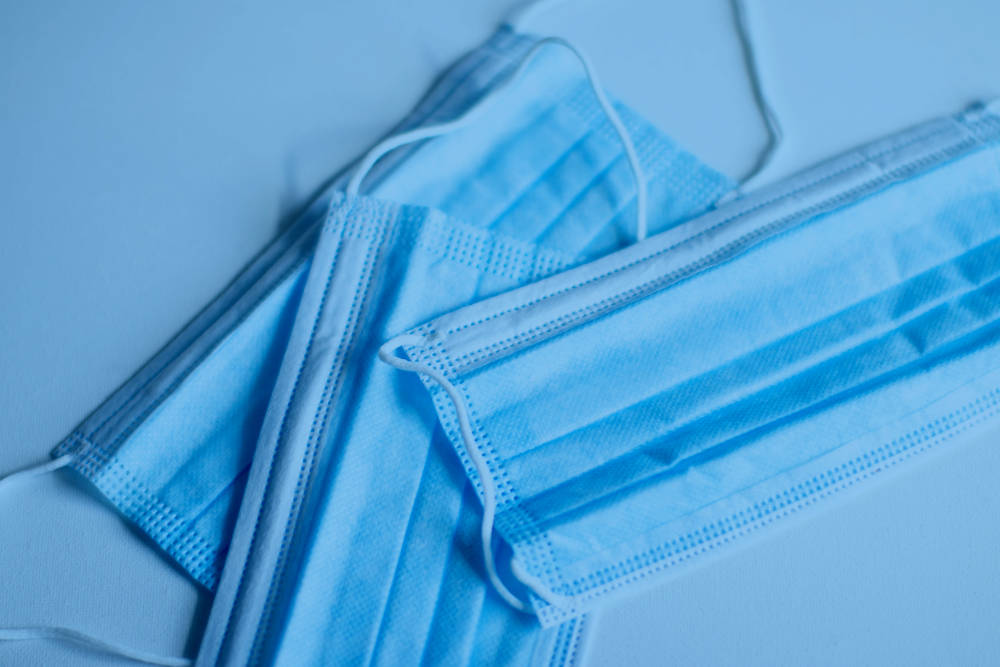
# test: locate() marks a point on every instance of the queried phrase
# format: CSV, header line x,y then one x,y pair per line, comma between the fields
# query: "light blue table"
x,y
147,150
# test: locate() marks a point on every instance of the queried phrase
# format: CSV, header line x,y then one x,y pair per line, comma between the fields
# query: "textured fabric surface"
x,y
152,148
644,409
342,560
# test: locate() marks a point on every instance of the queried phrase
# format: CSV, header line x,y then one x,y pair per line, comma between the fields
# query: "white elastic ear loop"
x,y
54,633
391,143
385,353
34,471
775,135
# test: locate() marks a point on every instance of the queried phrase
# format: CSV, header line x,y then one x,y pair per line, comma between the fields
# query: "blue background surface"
x,y
148,150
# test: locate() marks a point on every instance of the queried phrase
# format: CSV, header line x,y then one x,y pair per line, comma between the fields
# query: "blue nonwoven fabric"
x,y
645,410
171,448
356,541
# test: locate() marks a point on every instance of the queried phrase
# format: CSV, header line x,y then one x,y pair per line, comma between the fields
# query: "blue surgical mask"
x,y
171,448
355,542
641,412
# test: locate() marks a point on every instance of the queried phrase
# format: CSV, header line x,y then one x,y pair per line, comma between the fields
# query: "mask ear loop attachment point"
x,y
387,353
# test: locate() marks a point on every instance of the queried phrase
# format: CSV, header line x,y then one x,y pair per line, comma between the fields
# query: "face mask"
x,y
171,447
356,542
640,412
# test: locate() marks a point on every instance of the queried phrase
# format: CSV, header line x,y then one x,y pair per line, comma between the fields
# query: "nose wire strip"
x,y
480,108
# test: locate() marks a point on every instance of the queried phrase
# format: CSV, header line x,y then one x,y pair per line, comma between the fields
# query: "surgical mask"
x,y
356,542
642,412
171,447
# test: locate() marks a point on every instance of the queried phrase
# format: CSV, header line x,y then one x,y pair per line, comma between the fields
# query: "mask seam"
x,y
556,655
270,481
861,161
331,390
482,250
515,257
582,626
663,281
791,500
547,171
443,407
565,644
524,258
172,533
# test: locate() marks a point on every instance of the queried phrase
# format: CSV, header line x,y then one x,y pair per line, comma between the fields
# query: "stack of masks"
x,y
606,410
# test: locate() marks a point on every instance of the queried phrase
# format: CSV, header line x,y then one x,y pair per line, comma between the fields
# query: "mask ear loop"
x,y
34,471
477,110
386,351
775,135
386,354
56,633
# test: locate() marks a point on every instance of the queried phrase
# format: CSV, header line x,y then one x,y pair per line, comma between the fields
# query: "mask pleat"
x,y
768,302
421,576
544,198
679,187
676,419
412,490
600,217
361,507
451,633
508,171
726,431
